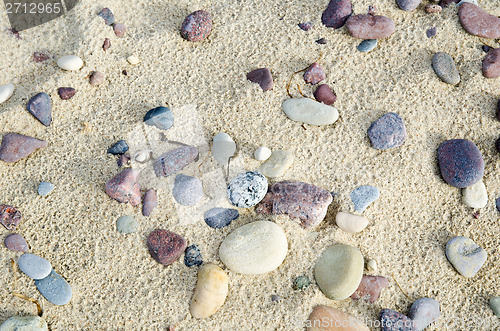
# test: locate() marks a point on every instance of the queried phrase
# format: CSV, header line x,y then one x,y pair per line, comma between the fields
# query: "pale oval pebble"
x,y
255,248
142,156
262,153
24,323
6,92
351,223
54,288
223,148
70,62
372,266
465,255
475,196
210,292
424,312
34,266
305,110
277,164
133,60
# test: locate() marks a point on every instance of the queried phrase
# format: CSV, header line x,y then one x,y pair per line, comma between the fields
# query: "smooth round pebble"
x,y
367,45
54,288
70,62
126,224
306,110
262,153
15,242
445,68
363,196
166,247
460,162
465,255
24,323
491,64
372,266
97,78
149,202
408,5
119,30
160,117
392,320
6,92
107,15
220,217
351,223
196,26
475,196
424,312
188,190
192,256
495,306
324,318
478,22
45,188
133,60
223,148
66,93
118,148
34,266
247,189
388,131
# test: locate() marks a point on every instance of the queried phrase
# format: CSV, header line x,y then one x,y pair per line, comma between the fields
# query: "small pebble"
x,y
223,148
446,3
372,266
107,15
321,41
24,323
388,131
351,223
9,217
262,153
119,29
174,160
211,291
432,8
465,255
133,60
262,77
196,26
301,283
143,156
475,196
6,92
54,288
367,45
166,247
40,106
126,224
16,146
34,266
188,190
305,110
486,48
66,93
370,287
277,164
220,217
325,95
408,5
305,26
97,78
497,204
370,26
247,189
149,202
40,57
275,298
393,321
460,162
363,196
124,187
45,188
15,242
123,160
192,256
106,45
424,312
314,74
478,22
431,32
336,13
124,72
160,117
324,318
495,306
445,68
70,62
118,148
491,64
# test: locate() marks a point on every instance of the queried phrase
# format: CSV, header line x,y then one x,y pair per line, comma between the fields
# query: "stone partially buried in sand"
x,y
445,68
196,26
305,110
263,77
174,160
495,306
24,323
370,26
9,217
370,287
6,92
460,162
54,288
351,223
277,164
223,148
478,22
161,117
210,292
388,131
40,106
336,13
324,318
126,224
475,196
465,255
124,187
391,320
491,64
166,247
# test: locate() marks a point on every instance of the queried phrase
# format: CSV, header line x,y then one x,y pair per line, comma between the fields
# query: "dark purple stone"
x,y
9,217
262,77
40,57
460,162
107,15
15,242
196,26
165,246
388,131
391,320
66,93
498,110
321,41
486,48
314,74
40,106
336,13
446,3
305,26
325,94
431,32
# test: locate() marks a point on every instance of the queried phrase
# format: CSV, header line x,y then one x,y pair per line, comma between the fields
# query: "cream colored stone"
x,y
351,223
277,164
324,318
475,196
372,266
210,292
70,62
6,92
262,153
308,111
133,60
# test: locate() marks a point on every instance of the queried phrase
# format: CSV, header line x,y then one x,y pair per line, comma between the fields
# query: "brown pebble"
x,y
119,30
324,318
370,287
478,22
97,78
314,74
491,64
150,202
166,246
370,26
16,146
66,93
325,95
263,77
124,187
433,8
15,242
196,26
174,160
106,45
9,217
40,57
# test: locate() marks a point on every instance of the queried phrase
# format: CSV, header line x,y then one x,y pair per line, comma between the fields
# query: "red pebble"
x,y
124,188
166,246
370,287
325,94
314,74
491,64
9,217
66,93
196,26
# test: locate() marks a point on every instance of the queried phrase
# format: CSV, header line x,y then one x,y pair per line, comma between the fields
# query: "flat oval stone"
x,y
24,323
124,187
34,266
220,217
495,306
160,117
305,110
126,224
107,15
45,188
262,153
324,318
106,44
367,45
149,202
54,288
223,148
15,242
424,312
247,189
388,131
70,62
255,248
391,320
9,217
211,291
263,77
325,95
370,26
118,148
40,106
408,5
339,270
192,256
491,64
465,255
196,26
445,68
16,146
363,196
277,164
174,160
6,92
336,13
66,93
166,247
475,196
460,162
370,287
351,223
478,22
314,74
300,201
188,190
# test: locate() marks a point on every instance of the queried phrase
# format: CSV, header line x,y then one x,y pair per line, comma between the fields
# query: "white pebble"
x,y
6,92
70,62
133,60
351,223
372,266
475,196
309,111
142,156
223,148
262,153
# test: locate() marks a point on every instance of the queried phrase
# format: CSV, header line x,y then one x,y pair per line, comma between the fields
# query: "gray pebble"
x,y
161,117
220,217
367,45
423,312
45,188
126,224
363,196
445,68
55,289
34,266
187,190
388,131
466,256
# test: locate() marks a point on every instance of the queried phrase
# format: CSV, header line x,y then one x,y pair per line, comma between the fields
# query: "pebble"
x,y
124,187
305,26
40,106
408,5
325,95
263,77
339,270
388,131
40,57
16,243
149,202
70,62
54,288
9,217
6,92
143,156
495,306
324,318
210,292
431,32
305,110
336,13
424,312
45,188
175,160
106,45
497,204
277,164
160,117
498,110
34,266
478,22
119,30
301,283
24,323
460,162
16,146
370,287
107,15
321,41
192,256
491,64
97,78
363,196
391,320
220,217
372,266
262,153
303,202
351,223
118,148
66,93
486,48
188,190
275,298
475,196
133,60
367,45
446,3
166,247
126,224
465,255
196,26
223,148
445,68
247,189
370,26
432,8
314,74
123,160
255,248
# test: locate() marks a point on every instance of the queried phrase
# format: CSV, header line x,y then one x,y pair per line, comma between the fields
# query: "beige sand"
x,y
118,286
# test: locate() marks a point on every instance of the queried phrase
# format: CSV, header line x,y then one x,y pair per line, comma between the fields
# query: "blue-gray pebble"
x,y
187,190
220,217
45,188
367,45
424,312
126,224
497,204
161,117
363,196
34,266
388,131
118,148
54,288
192,256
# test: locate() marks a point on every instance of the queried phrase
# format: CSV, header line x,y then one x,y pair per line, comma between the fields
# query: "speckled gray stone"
x,y
54,288
423,312
247,189
388,131
363,196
